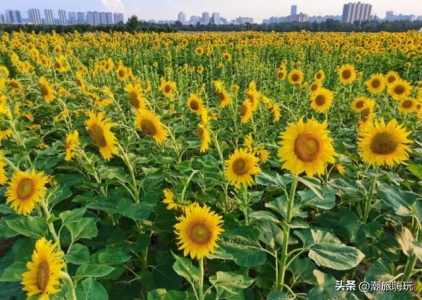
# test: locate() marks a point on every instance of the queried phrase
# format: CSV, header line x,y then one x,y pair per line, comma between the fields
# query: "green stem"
x,y
201,278
12,165
368,201
125,158
245,205
410,265
68,281
182,197
50,224
286,235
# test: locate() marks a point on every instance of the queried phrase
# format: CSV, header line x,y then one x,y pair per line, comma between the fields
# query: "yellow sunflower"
x,y
72,141
198,231
172,205
408,105
25,189
46,90
204,136
322,100
99,131
347,74
5,134
281,73
3,176
366,116
136,96
360,103
315,86
376,83
246,111
168,88
275,111
15,84
319,76
240,167
384,144
253,97
199,51
399,89
122,72
306,147
391,76
295,76
44,270
150,125
224,98
195,104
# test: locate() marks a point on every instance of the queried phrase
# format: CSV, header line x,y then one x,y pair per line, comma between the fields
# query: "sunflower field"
x,y
211,166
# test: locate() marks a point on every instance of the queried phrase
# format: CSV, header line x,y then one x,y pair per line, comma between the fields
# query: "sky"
x,y
229,9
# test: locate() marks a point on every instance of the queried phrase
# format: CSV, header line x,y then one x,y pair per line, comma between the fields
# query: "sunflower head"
x,y
322,100
204,136
391,76
150,125
72,141
319,76
240,167
384,144
198,231
408,105
195,104
306,147
246,111
296,76
375,84
360,103
399,89
347,74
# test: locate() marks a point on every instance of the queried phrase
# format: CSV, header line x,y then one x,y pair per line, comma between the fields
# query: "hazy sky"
x,y
229,9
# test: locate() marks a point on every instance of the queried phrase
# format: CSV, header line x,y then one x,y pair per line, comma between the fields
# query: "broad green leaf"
x,y
326,288
302,271
90,289
272,179
351,223
11,290
90,270
62,193
270,234
126,290
279,205
14,272
230,282
78,254
335,256
313,184
140,211
327,200
381,270
70,216
314,236
242,243
6,209
163,294
85,228
186,269
276,295
397,199
110,256
29,226
415,170
262,215
220,253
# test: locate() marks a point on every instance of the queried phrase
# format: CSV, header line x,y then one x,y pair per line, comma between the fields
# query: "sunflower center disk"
x,y
200,234
25,188
97,135
44,90
359,104
295,77
58,65
346,74
201,132
220,95
133,98
148,127
122,73
376,83
43,275
383,143
399,89
407,104
167,88
240,166
243,110
320,100
307,147
365,114
194,105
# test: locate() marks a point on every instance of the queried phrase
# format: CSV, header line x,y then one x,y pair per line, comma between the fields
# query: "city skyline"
x,y
169,9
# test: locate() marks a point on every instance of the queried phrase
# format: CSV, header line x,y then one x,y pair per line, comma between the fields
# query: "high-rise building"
x,y
62,17
215,18
205,18
109,17
356,12
118,17
34,16
71,18
181,17
2,19
293,11
97,18
90,18
48,17
103,18
80,16
13,17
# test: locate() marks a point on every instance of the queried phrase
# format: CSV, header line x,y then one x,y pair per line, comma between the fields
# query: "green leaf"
x,y
126,290
140,211
85,228
313,184
325,289
110,256
90,270
270,234
276,295
243,244
163,294
397,199
262,215
309,198
415,170
381,270
11,290
78,254
6,209
335,256
351,224
302,271
230,282
70,216
29,226
14,272
89,289
272,179
186,269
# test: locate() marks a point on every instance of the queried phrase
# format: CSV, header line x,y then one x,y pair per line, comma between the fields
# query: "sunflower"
x,y
99,131
315,86
15,84
248,142
3,176
199,51
319,76
275,111
72,141
246,111
391,76
136,96
204,136
198,231
384,144
240,167
122,72
227,56
322,100
376,83
399,89
44,270
168,88
150,125
172,205
200,70
25,189
347,74
408,105
281,74
5,134
61,64
366,116
46,90
195,104
224,97
295,76
306,147
360,103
